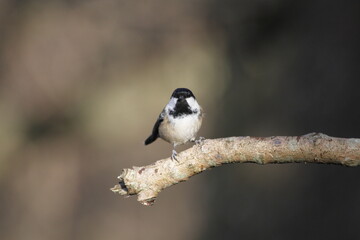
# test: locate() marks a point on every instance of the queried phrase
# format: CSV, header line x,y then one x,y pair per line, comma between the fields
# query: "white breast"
x,y
181,129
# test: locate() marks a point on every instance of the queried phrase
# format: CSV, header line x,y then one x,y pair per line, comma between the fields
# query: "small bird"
x,y
179,121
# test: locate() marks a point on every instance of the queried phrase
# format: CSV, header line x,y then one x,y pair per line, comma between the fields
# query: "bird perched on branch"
x,y
180,120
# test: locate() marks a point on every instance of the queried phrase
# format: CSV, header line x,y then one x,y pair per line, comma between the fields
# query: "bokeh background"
x,y
82,83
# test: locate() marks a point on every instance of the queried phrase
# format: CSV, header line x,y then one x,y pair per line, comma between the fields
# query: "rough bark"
x,y
148,181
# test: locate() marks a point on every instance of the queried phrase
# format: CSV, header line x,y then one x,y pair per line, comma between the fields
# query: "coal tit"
x,y
180,120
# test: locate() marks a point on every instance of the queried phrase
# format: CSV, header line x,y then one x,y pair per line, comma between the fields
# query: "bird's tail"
x,y
150,139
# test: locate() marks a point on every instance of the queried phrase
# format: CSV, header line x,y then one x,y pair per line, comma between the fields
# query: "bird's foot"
x,y
200,140
174,155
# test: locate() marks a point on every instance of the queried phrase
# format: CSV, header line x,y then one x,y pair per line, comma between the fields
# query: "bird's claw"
x,y
200,140
174,155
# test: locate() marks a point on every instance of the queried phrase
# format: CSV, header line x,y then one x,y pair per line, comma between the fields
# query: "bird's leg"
x,y
174,154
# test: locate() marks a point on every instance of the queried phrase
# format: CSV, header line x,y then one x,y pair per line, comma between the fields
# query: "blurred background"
x,y
82,83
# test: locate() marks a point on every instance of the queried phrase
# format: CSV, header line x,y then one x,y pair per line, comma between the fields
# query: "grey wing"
x,y
155,132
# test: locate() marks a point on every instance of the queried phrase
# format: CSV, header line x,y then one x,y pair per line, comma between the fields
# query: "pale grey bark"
x,y
148,181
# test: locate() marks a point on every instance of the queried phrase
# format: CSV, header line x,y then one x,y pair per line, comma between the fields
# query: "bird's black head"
x,y
182,93
182,106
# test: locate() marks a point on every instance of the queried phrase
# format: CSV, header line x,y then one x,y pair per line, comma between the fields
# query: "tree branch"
x,y
148,181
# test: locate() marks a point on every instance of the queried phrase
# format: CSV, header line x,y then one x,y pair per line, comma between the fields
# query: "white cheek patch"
x,y
171,104
193,103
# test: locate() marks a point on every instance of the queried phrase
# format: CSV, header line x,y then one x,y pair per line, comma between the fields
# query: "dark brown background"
x,y
82,82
